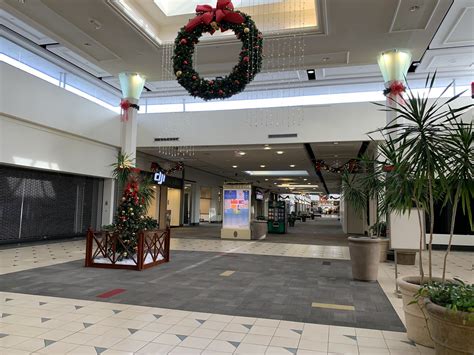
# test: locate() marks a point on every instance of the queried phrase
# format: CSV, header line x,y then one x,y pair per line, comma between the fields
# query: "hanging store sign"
x,y
159,177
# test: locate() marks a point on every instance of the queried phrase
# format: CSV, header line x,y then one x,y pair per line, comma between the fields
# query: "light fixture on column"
x,y
132,86
394,64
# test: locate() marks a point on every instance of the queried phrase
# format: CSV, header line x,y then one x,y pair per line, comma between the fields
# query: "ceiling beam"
x,y
312,157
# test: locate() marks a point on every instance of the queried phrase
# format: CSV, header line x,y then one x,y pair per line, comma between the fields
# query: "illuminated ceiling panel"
x,y
183,7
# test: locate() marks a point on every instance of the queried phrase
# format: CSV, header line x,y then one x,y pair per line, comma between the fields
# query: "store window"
x,y
38,204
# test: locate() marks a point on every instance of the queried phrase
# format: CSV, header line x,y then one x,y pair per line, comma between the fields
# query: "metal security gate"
x,y
37,204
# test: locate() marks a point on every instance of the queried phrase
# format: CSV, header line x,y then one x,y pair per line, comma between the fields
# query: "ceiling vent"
x,y
285,135
167,139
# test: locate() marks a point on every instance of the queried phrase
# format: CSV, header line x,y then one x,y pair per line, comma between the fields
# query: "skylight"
x,y
182,7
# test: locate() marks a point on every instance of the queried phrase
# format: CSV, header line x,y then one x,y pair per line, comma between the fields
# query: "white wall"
x,y
28,145
341,122
325,123
29,98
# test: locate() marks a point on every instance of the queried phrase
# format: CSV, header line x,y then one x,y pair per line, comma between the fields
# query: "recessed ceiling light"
x,y
266,179
267,147
280,152
274,183
262,165
325,59
336,143
309,183
292,165
234,166
242,153
305,179
414,8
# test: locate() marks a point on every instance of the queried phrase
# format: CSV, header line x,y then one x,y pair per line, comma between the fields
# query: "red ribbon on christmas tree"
x,y
224,11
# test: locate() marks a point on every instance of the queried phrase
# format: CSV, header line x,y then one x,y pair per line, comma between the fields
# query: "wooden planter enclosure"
x,y
153,248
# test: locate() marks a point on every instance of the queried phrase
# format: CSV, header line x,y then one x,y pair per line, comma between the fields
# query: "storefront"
x,y
38,204
168,196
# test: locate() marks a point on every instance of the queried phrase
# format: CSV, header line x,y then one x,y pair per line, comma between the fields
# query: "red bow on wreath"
x,y
224,11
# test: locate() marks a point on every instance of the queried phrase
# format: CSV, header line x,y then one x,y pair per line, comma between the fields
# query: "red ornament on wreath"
x,y
209,20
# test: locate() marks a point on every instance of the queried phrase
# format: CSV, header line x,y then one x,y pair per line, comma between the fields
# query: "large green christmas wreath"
x,y
209,20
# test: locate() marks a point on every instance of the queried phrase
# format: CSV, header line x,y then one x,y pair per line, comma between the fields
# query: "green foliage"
x,y
379,228
250,60
122,168
459,151
432,155
146,190
353,192
149,223
454,296
130,217
420,142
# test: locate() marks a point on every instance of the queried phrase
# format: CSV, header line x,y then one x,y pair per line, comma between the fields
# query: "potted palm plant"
x,y
359,186
419,145
450,311
450,306
380,229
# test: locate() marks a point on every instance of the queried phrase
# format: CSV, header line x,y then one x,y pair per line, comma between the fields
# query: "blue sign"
x,y
159,177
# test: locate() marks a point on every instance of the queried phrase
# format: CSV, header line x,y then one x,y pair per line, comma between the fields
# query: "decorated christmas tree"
x,y
131,217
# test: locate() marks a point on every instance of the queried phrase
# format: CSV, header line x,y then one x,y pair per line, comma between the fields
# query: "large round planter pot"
x,y
384,243
415,314
365,258
452,332
416,324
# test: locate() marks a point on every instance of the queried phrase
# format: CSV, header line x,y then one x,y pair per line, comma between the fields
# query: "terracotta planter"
x,y
365,258
384,244
452,332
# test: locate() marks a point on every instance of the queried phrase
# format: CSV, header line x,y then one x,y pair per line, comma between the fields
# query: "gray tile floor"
x,y
261,286
320,231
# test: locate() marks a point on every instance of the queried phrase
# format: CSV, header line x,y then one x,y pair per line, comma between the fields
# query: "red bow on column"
x,y
224,11
125,105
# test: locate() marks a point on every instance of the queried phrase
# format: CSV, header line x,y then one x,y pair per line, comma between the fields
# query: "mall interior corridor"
x,y
326,230
236,177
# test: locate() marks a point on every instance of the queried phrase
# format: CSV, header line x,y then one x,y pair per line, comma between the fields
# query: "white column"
x,y
214,202
108,202
132,86
129,134
196,204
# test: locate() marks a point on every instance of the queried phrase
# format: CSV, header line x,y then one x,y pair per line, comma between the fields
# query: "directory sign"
x,y
236,208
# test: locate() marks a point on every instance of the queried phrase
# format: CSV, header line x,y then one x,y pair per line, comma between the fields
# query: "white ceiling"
x,y
220,160
351,33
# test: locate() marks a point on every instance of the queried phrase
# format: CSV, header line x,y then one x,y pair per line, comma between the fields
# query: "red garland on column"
x,y
395,90
472,89
125,105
